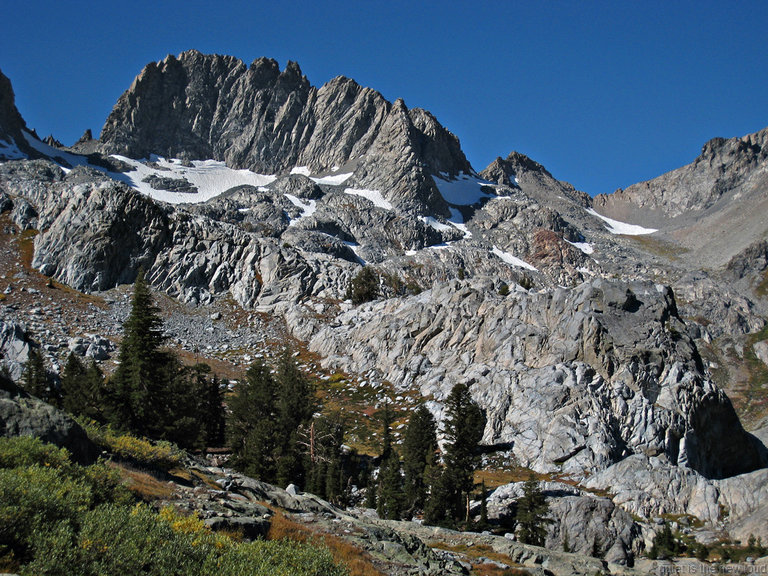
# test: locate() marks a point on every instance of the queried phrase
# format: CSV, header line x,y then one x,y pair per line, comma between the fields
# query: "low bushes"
x,y
58,518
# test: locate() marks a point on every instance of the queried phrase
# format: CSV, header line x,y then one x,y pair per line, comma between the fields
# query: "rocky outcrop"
x,y
576,379
579,521
723,166
24,415
197,106
14,348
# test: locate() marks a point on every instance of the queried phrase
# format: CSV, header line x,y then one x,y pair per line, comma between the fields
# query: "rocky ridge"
x,y
197,106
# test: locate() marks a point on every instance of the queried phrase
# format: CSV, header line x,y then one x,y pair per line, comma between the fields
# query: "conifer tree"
x,y
82,388
532,510
35,379
214,418
463,428
252,424
419,446
140,383
390,501
295,407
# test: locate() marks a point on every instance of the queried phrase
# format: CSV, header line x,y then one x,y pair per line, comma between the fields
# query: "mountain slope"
x,y
713,208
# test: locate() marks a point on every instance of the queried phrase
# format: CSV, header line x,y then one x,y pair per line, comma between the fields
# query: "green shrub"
x,y
59,518
364,287
160,454
28,451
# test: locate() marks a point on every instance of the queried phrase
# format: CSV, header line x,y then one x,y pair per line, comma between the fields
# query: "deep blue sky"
x,y
604,94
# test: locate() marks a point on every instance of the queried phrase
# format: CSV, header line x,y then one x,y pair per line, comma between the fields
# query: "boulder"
x,y
24,415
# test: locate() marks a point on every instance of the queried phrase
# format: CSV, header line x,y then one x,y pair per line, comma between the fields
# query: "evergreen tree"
x,y
364,287
463,428
35,379
82,388
438,510
252,424
532,509
214,417
419,446
295,407
140,383
390,498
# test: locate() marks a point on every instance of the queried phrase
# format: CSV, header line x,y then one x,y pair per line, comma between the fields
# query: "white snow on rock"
x,y
303,170
56,154
309,207
617,227
457,221
436,224
9,151
372,195
585,247
463,190
210,177
512,260
333,179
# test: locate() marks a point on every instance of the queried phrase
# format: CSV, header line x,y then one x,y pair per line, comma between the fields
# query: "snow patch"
x,y
55,154
512,260
210,177
617,227
308,208
333,179
436,224
9,151
303,170
463,190
585,247
457,221
372,195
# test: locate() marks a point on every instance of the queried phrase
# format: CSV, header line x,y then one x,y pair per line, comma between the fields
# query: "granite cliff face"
x,y
593,345
270,121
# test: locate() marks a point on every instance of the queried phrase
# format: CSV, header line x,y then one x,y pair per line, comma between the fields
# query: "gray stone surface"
x,y
24,415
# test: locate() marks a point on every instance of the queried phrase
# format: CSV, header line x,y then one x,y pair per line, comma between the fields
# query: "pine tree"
x,y
364,287
532,510
419,446
252,424
463,428
295,407
82,388
140,383
35,379
390,499
214,418
438,510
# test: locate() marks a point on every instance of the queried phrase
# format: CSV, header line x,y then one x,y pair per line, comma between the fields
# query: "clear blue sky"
x,y
604,94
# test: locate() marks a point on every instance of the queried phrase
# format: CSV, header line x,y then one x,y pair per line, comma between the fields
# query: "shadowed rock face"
x,y
24,415
207,106
11,122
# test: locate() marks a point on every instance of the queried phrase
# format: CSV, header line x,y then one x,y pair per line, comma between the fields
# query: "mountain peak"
x,y
198,106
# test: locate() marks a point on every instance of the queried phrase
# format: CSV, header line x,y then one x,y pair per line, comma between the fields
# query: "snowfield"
x,y
617,227
372,195
585,247
512,260
308,208
465,190
210,177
